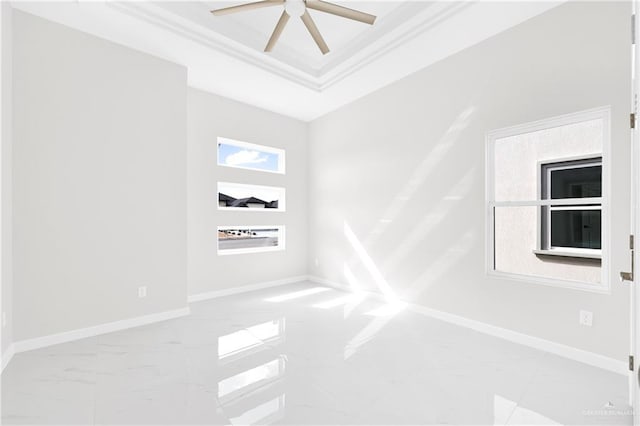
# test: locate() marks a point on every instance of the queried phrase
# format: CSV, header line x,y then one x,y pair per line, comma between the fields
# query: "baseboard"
x,y
244,289
565,351
6,356
68,336
333,284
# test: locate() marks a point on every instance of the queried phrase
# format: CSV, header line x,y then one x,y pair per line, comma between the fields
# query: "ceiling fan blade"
x,y
282,22
342,11
313,30
247,6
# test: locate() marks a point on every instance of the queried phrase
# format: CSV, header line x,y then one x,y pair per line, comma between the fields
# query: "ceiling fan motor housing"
x,y
295,8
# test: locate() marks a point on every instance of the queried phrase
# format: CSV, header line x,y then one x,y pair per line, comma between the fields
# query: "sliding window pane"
x,y
578,182
516,249
576,229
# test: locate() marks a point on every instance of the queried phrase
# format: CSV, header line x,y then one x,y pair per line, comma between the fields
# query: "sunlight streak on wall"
x,y
439,267
368,262
421,173
354,285
431,220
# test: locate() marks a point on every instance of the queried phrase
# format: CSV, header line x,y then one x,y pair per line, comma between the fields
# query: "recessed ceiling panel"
x,y
295,47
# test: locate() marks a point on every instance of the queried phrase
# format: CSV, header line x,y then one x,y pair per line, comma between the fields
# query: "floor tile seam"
x,y
527,387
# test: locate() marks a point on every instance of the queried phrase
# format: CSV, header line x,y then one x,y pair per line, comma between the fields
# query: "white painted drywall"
x,y
6,232
403,172
210,116
99,180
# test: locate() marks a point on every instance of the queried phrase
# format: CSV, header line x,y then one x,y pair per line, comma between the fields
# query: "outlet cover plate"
x,y
586,318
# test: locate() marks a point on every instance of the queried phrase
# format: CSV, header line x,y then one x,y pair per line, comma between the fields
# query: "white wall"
x,y
210,116
6,230
99,180
404,169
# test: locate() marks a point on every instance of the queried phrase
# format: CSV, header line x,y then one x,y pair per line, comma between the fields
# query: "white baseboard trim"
x,y
565,351
244,289
68,336
6,356
333,284
570,352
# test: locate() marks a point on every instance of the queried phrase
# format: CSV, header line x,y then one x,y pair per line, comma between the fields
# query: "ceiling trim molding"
x,y
222,64
153,16
383,27
319,81
429,21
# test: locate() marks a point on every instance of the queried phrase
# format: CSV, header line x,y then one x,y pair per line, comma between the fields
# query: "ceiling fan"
x,y
298,8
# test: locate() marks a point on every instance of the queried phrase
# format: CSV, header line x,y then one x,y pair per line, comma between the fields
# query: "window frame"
x,y
545,168
602,113
281,153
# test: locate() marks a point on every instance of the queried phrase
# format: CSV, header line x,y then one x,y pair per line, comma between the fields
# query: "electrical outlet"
x,y
586,318
142,291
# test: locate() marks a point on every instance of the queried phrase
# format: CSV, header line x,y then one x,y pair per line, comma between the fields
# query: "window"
x,y
249,239
547,201
244,155
236,196
573,229
239,239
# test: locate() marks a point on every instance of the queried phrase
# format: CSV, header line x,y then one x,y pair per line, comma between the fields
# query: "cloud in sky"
x,y
245,157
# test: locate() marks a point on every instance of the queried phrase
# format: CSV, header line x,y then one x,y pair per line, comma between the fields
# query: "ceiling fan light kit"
x,y
299,8
295,8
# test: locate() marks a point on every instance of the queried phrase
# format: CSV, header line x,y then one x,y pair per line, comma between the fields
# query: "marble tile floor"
x,y
302,354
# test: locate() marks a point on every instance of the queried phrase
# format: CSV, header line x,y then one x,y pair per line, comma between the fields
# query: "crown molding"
x,y
181,27
435,15
410,37
392,31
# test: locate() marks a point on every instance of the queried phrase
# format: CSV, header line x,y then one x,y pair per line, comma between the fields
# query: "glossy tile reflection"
x,y
252,378
244,341
303,354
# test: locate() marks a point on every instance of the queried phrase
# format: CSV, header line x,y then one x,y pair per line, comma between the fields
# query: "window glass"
x,y
576,226
576,182
236,196
250,239
576,229
246,155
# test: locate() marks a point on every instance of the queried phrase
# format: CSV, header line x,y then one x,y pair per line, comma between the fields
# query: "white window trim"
x,y
240,144
279,247
282,200
603,113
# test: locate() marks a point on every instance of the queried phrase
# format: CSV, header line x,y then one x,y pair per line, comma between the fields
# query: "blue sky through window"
x,y
235,156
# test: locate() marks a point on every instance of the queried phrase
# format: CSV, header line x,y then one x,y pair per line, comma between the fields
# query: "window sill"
x,y
559,253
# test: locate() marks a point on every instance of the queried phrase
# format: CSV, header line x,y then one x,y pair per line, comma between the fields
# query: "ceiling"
x,y
224,54
296,47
